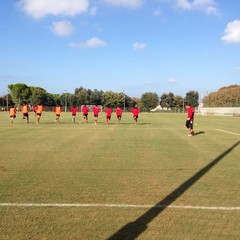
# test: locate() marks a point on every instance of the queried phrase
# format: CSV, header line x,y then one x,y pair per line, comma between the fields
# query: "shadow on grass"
x,y
197,133
133,229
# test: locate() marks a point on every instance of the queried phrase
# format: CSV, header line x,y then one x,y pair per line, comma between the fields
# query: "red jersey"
x,y
74,110
96,110
119,111
190,113
135,111
85,109
108,112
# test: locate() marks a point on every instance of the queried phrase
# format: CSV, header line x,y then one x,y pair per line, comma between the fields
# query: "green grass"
x,y
153,162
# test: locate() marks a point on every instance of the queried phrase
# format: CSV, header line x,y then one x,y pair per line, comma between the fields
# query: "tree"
x,y
178,102
149,100
224,97
192,98
20,92
167,100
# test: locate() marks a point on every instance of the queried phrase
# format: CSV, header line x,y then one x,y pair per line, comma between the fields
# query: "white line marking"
x,y
82,205
228,132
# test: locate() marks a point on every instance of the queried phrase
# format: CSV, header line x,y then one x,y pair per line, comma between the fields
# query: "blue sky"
x,y
135,46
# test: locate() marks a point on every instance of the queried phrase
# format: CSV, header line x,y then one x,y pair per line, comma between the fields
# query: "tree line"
x,y
224,97
20,94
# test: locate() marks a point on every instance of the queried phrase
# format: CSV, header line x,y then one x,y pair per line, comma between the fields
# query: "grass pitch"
x,y
127,181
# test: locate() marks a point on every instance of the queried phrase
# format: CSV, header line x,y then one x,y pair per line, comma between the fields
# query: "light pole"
x,y
124,105
65,101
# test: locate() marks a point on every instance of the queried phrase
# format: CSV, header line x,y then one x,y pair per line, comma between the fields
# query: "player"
x,y
57,110
96,111
108,114
85,111
24,110
135,112
39,109
190,119
119,114
12,113
74,110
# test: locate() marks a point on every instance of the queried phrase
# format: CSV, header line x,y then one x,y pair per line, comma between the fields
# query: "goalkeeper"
x,y
190,119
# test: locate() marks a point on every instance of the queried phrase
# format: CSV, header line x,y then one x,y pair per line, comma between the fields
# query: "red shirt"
x,y
96,110
74,110
108,112
190,113
135,111
85,110
119,111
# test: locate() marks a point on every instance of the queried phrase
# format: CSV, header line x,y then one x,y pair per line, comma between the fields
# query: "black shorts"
x,y
25,114
39,114
58,115
74,114
13,116
108,117
119,117
135,116
85,115
95,115
189,124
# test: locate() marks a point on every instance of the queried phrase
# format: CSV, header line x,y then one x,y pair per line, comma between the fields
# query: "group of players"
x,y
85,111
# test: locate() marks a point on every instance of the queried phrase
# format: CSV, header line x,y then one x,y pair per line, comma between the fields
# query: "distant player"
x,y
12,113
39,109
108,114
135,112
24,110
85,111
74,111
96,111
119,114
57,110
190,119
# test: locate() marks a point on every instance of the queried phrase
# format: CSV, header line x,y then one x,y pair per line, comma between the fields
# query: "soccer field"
x,y
120,182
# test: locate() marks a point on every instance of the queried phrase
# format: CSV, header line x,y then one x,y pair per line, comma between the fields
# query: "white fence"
x,y
224,111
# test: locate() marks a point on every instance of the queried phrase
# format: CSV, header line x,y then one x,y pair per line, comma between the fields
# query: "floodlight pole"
x,y
124,104
65,101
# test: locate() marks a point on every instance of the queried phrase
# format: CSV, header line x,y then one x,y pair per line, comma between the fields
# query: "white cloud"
x,y
172,80
41,8
124,3
91,43
232,32
138,46
208,6
62,28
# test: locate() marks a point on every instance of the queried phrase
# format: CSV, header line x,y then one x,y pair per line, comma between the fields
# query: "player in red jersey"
x,y
85,111
74,111
96,111
135,112
119,114
190,119
108,114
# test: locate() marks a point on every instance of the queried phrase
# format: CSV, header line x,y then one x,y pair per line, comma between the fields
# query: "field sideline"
x,y
127,181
